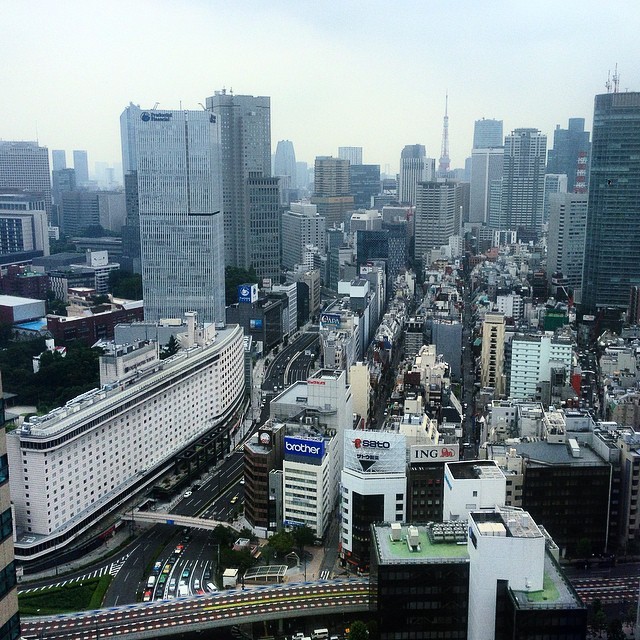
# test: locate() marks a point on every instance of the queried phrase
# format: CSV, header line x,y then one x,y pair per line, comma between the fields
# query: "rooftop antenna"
x,y
616,80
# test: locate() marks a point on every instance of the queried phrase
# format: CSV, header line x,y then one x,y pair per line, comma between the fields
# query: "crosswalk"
x,y
112,569
325,575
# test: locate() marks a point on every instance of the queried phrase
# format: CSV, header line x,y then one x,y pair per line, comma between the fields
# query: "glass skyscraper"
x,y
174,157
612,250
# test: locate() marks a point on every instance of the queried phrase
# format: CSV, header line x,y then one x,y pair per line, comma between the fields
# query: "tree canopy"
x,y
233,278
124,284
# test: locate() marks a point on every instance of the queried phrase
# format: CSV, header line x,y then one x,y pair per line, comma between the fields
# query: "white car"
x,y
188,494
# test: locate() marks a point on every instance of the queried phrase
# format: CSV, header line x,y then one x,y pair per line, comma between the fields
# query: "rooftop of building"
x,y
474,470
545,454
436,542
16,301
556,592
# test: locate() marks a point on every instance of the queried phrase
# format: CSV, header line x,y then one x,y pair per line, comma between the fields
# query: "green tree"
x,y
303,536
171,348
614,630
63,245
124,284
233,278
583,548
282,542
358,631
597,617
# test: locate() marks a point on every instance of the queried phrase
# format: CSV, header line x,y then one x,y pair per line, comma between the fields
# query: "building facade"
x,y
332,189
566,236
486,167
612,255
76,464
176,159
245,130
524,161
415,167
569,145
25,166
487,133
23,223
301,226
492,355
437,216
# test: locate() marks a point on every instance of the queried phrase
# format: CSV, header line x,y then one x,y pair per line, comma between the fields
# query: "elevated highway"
x,y
174,519
199,613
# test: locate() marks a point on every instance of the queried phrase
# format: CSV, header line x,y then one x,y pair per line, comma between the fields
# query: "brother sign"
x,y
304,447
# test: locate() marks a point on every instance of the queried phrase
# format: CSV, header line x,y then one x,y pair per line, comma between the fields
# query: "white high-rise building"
x,y
414,167
486,166
532,358
73,466
25,166
553,183
176,159
525,156
566,237
437,216
352,154
301,227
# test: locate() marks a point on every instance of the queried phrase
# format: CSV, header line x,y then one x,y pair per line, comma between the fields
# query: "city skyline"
x,y
422,53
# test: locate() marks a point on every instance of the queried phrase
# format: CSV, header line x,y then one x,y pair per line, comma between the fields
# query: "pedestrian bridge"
x,y
154,517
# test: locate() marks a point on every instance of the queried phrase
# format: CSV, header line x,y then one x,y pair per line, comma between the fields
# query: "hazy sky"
x,y
342,73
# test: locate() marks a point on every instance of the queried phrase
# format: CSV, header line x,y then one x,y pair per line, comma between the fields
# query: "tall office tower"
x,y
444,162
487,134
566,236
492,356
301,227
284,163
174,159
612,250
245,126
25,165
437,216
568,145
302,175
9,617
553,183
525,154
332,189
58,159
262,232
414,168
486,166
365,184
81,165
23,225
352,154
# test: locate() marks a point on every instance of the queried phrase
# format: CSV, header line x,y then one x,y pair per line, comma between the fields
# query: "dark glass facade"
x,y
421,601
568,144
365,184
366,511
612,250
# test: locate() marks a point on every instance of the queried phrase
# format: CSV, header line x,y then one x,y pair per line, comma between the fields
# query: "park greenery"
x,y
233,278
59,379
73,596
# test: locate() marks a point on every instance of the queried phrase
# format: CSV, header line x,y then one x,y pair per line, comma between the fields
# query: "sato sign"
x,y
248,293
435,453
304,447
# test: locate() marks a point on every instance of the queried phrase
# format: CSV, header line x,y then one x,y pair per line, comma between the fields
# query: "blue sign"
x,y
247,293
330,319
156,116
255,324
304,447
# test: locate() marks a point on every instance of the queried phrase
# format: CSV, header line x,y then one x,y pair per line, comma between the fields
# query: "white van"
x,y
151,581
320,634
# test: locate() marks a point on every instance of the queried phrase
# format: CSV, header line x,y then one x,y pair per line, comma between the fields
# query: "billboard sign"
x,y
374,451
248,293
329,320
305,447
435,453
255,324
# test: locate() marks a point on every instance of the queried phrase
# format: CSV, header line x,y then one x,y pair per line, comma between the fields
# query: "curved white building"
x,y
78,463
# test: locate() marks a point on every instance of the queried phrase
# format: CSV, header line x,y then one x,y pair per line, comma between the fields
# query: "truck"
x,y
183,590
